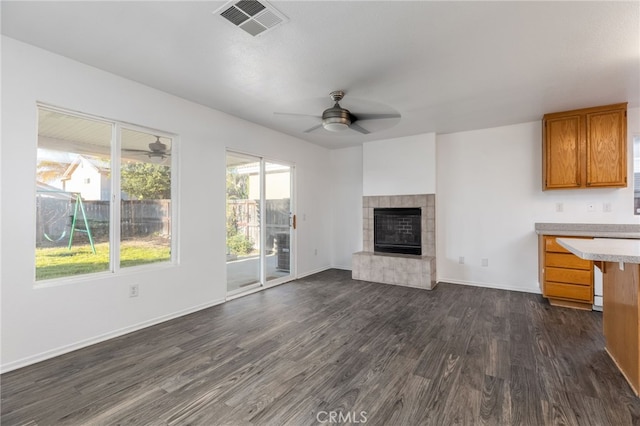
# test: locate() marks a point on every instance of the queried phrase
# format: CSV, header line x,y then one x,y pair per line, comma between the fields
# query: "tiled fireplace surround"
x,y
399,269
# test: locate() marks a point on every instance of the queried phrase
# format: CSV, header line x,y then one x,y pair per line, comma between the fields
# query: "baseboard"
x,y
315,271
256,290
14,365
534,290
342,267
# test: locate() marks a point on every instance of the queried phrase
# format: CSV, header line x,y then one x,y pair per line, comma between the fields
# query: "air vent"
x,y
250,7
254,17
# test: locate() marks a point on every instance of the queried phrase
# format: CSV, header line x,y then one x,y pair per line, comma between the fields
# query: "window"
x,y
103,195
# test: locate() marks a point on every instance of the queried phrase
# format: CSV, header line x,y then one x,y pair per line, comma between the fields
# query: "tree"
x,y
49,170
237,185
237,189
146,181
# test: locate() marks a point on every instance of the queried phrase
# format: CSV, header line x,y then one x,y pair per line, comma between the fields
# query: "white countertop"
x,y
602,230
604,249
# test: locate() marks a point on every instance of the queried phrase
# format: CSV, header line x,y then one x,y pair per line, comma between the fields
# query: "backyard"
x,y
54,262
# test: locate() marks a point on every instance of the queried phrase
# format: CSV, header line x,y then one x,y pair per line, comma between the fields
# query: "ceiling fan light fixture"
x,y
157,157
335,124
336,119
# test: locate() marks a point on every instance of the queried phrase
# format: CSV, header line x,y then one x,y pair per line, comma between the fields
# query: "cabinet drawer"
x,y
571,276
566,260
551,245
568,291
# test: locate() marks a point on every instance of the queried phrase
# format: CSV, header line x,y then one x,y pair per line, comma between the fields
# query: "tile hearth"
x,y
399,269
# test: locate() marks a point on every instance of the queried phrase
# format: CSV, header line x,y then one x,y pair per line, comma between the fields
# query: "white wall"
x,y
42,321
401,166
490,196
346,201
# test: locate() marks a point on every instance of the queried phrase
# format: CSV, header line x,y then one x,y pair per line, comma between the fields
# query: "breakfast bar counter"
x,y
619,260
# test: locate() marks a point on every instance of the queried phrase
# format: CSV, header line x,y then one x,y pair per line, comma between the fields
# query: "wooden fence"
x,y
138,218
246,218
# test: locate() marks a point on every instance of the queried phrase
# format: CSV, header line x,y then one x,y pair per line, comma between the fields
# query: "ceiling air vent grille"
x,y
250,7
254,17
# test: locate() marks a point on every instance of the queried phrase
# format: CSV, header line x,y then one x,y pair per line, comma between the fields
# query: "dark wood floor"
x,y
296,353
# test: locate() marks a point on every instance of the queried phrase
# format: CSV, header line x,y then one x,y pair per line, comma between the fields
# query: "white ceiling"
x,y
444,66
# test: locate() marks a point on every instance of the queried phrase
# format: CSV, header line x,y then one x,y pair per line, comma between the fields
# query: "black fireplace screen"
x,y
397,230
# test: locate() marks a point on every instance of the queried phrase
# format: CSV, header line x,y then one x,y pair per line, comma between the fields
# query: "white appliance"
x,y
597,289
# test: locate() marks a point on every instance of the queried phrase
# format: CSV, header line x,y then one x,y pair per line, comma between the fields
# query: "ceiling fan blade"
x,y
296,115
136,150
311,129
357,128
146,151
362,117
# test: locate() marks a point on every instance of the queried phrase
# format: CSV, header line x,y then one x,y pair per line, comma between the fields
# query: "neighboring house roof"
x,y
100,166
51,191
41,186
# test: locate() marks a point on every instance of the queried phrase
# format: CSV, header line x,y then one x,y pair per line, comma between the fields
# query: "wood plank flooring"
x,y
326,344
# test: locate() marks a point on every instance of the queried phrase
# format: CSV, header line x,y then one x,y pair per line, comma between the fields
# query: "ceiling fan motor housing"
x,y
336,118
158,146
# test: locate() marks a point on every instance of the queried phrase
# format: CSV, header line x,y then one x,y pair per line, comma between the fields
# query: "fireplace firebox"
x,y
397,230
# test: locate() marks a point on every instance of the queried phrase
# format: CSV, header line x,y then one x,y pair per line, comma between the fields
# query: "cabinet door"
x,y
606,148
562,152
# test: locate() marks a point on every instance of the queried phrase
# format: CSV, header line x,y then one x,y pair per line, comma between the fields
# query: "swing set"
x,y
78,208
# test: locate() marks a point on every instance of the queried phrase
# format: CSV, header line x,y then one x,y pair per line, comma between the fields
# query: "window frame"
x,y
115,205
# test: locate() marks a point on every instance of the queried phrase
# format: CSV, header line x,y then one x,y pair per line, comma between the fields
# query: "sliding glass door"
x,y
278,221
259,223
243,225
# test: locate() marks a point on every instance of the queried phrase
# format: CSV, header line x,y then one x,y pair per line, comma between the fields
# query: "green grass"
x,y
59,262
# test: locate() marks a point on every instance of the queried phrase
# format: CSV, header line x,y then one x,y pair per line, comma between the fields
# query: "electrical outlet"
x,y
133,290
559,207
606,207
485,262
315,252
461,260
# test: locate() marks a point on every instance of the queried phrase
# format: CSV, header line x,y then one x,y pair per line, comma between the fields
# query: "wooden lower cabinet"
x,y
621,318
566,279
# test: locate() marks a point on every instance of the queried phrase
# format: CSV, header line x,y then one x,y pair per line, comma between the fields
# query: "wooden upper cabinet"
x,y
563,152
607,148
585,148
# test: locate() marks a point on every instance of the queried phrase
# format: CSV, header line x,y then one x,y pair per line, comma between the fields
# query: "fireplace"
x,y
397,230
389,266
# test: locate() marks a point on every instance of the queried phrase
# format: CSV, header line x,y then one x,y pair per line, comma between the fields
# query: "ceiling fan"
x,y
337,119
157,151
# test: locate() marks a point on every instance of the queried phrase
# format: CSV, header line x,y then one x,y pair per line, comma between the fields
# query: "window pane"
x,y
243,222
72,196
277,219
145,213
